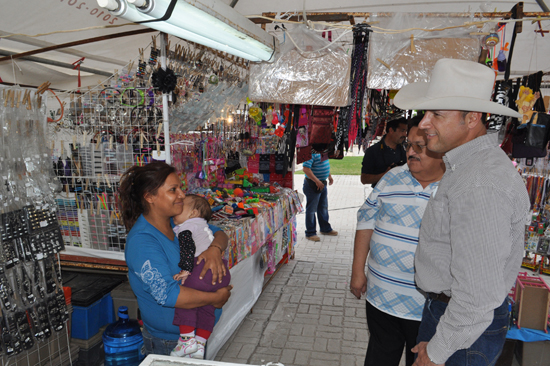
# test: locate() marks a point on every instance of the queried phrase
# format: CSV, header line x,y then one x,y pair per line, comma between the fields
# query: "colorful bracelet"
x,y
109,94
141,93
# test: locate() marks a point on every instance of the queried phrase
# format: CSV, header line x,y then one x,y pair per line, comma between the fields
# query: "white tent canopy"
x,y
31,17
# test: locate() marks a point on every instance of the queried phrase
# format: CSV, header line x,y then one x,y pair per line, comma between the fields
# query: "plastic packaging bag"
x,y
295,77
395,60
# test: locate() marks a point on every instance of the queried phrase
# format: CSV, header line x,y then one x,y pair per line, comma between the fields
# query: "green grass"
x,y
349,165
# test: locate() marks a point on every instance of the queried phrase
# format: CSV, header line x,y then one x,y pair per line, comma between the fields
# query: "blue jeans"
x,y
317,202
485,350
156,345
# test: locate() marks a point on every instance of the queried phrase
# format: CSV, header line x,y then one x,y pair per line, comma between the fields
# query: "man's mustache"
x,y
413,157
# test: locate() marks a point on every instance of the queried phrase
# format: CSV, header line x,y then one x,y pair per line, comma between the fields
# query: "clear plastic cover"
x,y
295,77
26,171
396,59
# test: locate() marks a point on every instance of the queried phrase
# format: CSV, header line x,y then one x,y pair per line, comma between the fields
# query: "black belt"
x,y
439,297
312,183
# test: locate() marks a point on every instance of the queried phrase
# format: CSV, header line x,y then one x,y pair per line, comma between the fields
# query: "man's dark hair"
x,y
394,123
415,121
319,147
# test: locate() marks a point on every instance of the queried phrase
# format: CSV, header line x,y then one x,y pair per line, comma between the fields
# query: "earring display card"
x,y
32,301
113,127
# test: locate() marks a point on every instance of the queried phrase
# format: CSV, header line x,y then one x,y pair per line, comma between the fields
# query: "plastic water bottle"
x,y
123,341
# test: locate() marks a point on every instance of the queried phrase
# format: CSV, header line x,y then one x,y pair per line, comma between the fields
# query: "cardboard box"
x,y
124,296
507,356
533,296
533,353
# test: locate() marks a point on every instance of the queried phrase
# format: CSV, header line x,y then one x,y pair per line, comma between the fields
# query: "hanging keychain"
x,y
27,286
38,280
18,288
38,332
49,276
10,339
24,330
42,319
62,305
6,292
54,313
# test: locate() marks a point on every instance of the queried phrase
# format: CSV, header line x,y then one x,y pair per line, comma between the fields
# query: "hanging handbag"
x,y
303,154
537,130
521,150
321,125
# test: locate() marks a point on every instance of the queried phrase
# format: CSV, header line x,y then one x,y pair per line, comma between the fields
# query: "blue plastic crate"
x,y
86,321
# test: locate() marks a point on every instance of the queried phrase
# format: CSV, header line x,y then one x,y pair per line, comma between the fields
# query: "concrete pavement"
x,y
306,315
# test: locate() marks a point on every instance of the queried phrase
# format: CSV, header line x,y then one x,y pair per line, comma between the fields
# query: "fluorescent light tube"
x,y
232,29
122,9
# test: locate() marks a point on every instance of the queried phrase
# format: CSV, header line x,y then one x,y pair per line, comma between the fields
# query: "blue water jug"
x,y
123,341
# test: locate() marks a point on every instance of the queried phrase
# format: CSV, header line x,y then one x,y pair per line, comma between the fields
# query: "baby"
x,y
194,237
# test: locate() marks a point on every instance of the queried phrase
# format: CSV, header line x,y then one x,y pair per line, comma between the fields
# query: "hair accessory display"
x,y
164,80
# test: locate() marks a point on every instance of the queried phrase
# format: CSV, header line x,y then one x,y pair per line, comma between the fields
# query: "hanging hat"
x,y
454,85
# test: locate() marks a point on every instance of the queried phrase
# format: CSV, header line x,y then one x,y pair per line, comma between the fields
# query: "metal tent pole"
x,y
166,122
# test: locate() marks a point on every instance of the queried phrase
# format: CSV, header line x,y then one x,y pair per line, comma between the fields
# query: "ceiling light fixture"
x,y
208,22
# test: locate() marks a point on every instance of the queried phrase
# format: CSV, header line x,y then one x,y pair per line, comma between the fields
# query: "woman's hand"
x,y
224,293
189,298
212,257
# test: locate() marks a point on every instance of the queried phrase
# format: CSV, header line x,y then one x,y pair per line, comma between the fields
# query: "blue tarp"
x,y
527,335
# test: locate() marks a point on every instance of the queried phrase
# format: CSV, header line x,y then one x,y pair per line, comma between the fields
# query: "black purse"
x,y
521,150
538,130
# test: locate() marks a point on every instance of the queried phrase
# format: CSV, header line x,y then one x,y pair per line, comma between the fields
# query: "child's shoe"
x,y
185,347
200,351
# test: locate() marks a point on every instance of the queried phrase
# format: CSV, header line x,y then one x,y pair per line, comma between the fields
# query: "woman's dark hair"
x,y
135,183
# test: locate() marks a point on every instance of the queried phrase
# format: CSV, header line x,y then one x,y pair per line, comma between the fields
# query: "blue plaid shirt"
x,y
394,211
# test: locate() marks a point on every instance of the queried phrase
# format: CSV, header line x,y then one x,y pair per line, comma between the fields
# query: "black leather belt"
x,y
439,297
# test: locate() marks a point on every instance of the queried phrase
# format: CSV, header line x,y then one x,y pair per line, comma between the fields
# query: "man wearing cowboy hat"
x,y
471,237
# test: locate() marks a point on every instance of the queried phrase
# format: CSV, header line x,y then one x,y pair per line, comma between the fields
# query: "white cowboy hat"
x,y
457,85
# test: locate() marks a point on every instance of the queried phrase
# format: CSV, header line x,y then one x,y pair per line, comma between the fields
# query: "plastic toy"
x,y
525,103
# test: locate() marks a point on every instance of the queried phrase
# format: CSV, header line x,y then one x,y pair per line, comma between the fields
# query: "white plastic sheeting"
x,y
40,16
308,70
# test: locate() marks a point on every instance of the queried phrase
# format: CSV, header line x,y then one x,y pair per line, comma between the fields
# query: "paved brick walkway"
x,y
306,315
